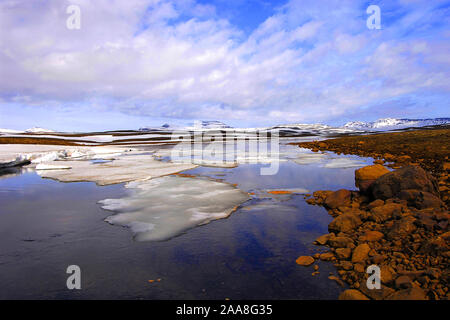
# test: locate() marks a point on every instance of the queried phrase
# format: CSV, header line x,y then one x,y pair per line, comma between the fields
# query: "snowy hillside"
x,y
392,123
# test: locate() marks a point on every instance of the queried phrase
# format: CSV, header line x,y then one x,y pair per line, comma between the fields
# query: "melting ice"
x,y
162,208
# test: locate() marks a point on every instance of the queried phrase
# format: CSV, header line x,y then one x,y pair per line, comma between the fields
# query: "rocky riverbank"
x,y
397,220
428,148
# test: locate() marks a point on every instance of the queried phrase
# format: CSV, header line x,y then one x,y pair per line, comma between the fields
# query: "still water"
x,y
45,226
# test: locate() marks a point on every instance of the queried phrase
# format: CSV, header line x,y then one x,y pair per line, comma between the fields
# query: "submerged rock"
x,y
305,260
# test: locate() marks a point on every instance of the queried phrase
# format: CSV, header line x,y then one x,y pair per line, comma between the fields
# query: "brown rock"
x,y
305,260
379,258
413,293
375,203
346,265
376,294
343,253
410,177
322,240
339,198
402,227
359,267
345,223
352,294
403,282
366,176
371,236
420,199
340,242
327,256
361,253
385,212
387,274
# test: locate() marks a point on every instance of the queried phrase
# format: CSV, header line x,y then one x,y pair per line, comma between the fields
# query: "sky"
x,y
135,63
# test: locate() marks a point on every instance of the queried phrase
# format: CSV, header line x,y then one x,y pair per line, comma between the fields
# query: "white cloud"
x,y
311,60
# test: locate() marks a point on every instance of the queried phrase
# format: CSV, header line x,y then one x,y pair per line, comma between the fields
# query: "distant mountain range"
x,y
393,123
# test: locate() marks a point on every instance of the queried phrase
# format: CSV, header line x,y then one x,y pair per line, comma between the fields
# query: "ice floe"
x,y
42,166
124,169
343,163
162,208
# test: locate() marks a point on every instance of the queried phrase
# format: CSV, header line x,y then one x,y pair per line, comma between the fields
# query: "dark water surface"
x,y
45,226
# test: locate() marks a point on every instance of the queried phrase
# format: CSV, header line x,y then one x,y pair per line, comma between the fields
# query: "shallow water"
x,y
46,226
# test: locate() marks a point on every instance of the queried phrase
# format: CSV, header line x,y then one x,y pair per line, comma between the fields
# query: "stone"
x,y
343,253
323,239
375,203
327,256
340,242
352,294
410,177
338,198
403,282
402,227
420,199
387,274
376,294
305,260
345,223
366,176
359,267
385,212
361,253
346,265
371,236
379,258
413,293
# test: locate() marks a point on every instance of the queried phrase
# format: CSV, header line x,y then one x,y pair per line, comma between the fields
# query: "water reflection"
x,y
250,255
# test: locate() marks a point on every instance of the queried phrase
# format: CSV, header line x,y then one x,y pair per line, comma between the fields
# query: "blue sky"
x,y
247,63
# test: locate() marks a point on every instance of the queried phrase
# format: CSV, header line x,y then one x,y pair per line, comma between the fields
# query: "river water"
x,y
46,225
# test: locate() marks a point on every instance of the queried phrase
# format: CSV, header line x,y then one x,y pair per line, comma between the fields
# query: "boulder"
x,y
366,176
352,294
338,198
361,253
420,199
385,212
410,177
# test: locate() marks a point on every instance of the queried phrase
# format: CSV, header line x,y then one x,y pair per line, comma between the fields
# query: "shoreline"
x,y
398,220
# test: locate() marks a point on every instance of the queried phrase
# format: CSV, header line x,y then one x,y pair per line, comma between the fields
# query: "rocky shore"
x,y
397,220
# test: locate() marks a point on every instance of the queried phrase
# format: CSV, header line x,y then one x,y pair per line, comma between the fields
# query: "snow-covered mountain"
x,y
393,123
205,125
38,130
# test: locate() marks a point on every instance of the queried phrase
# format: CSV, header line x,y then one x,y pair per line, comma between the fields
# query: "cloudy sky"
x,y
247,63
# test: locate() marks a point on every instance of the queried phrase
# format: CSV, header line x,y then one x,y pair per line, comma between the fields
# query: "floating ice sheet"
x,y
343,163
162,208
124,169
